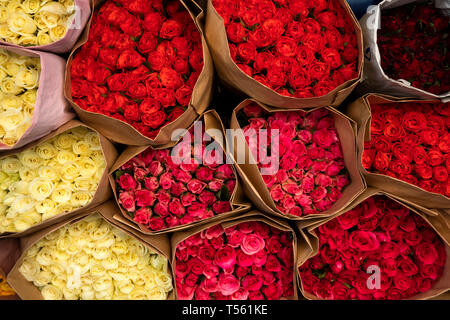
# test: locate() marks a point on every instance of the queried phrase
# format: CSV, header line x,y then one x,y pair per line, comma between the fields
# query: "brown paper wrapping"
x,y
122,132
255,187
238,203
102,194
360,112
9,253
232,221
439,223
230,73
28,291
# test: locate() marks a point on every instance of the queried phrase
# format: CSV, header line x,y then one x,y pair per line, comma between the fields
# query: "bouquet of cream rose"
x,y
35,22
58,175
19,82
90,260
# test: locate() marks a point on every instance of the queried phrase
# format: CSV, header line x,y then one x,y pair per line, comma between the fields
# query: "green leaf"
x,y
319,273
224,194
347,285
118,174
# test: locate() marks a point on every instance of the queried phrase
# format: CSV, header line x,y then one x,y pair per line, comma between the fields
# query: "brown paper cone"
x,y
28,291
230,73
122,132
255,187
102,194
437,223
360,111
231,221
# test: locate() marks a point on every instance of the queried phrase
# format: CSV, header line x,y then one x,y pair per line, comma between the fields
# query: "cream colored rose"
x,y
58,32
164,281
65,156
46,206
80,199
157,294
6,34
159,262
97,270
49,173
150,281
22,204
87,294
64,141
87,166
46,150
11,101
125,287
110,263
69,171
51,292
22,224
10,165
27,40
100,232
20,22
81,148
30,159
129,259
61,194
27,78
11,119
101,253
4,16
29,269
85,184
20,187
80,132
138,293
43,38
70,294
29,97
43,278
40,188
120,248
31,6
45,257
103,283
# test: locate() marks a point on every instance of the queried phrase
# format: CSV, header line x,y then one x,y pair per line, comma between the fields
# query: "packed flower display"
x,y
18,90
379,233
297,48
55,176
92,260
312,172
411,142
35,22
419,52
140,63
224,150
251,260
159,193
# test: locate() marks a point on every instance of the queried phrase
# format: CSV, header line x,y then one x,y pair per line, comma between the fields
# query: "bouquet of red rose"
x,y
138,68
251,259
378,250
170,188
308,172
281,49
408,54
411,142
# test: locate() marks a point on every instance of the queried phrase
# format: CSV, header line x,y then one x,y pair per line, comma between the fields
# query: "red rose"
x,y
154,120
129,59
364,241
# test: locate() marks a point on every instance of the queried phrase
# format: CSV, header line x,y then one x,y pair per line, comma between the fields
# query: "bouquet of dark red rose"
x,y
139,65
298,49
251,260
411,142
419,52
299,167
378,250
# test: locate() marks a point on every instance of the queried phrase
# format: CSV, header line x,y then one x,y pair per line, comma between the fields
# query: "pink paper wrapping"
x,y
65,44
51,109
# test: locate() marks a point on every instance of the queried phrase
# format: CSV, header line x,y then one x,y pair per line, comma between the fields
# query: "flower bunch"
x,y
311,172
160,193
251,260
35,22
19,82
5,289
91,260
140,63
411,142
379,234
58,175
413,43
297,48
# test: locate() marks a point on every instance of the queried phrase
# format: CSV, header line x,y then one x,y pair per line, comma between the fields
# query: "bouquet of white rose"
x,y
32,102
43,24
60,174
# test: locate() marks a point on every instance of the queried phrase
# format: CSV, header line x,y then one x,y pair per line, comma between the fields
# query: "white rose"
x,y
29,269
10,164
65,156
51,292
61,194
80,199
10,119
69,171
40,188
30,159
21,23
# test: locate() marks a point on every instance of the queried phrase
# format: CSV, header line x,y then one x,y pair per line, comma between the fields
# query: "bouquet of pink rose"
x,y
312,173
251,259
163,189
378,234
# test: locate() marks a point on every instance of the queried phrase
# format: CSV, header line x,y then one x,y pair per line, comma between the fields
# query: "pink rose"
x,y
207,197
140,173
143,216
221,207
204,174
196,210
151,183
166,180
181,175
224,172
176,208
225,257
342,181
187,199
244,260
156,224
163,197
323,180
228,284
319,193
235,238
210,285
213,232
155,168
196,186
252,244
126,199
127,182
252,283
161,210
144,198
277,193
215,185
211,271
